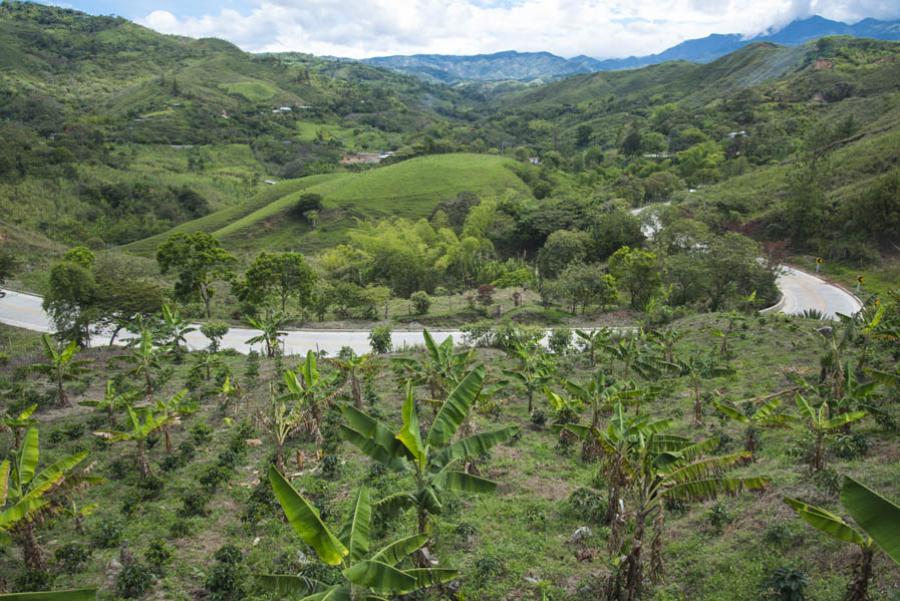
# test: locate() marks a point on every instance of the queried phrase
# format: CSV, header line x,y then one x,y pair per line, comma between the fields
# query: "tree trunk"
x,y
168,439
204,294
859,586
61,395
31,549
143,464
530,400
634,563
357,391
698,406
279,456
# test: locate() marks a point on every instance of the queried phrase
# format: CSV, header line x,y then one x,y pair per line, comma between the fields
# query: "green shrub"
x,y
134,580
158,555
107,534
380,340
851,446
786,584
193,503
201,434
719,517
72,556
560,340
587,505
421,302
225,580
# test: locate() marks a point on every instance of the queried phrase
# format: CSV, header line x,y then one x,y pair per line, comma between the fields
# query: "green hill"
x,y
407,189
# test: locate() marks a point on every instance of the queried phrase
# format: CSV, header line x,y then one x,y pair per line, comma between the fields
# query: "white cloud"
x,y
599,28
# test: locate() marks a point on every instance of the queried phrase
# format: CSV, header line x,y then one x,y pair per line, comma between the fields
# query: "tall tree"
x,y
198,260
281,276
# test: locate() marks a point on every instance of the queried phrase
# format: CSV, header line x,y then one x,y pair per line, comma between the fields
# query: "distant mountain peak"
x,y
541,66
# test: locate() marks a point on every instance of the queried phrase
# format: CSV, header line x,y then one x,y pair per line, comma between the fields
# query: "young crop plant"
x,y
441,369
61,366
645,467
766,416
434,459
822,426
366,574
877,526
29,498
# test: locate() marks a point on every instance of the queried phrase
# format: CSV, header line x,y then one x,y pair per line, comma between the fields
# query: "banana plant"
x,y
144,423
170,413
175,331
535,370
310,393
285,418
366,574
270,334
877,526
353,369
112,402
434,460
80,594
600,393
653,467
766,416
698,368
17,423
61,366
822,426
630,352
440,369
144,359
666,341
594,341
29,498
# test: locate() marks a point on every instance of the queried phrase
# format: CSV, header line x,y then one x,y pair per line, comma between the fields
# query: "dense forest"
x,y
620,413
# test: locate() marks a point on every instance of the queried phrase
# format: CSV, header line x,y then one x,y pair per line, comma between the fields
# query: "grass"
x,y
506,542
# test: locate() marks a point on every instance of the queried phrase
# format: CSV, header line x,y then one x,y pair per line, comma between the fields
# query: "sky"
x,y
365,28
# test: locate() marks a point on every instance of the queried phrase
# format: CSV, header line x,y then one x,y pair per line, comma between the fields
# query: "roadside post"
x,y
819,262
859,282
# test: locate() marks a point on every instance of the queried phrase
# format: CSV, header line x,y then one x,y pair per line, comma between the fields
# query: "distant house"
x,y
270,182
365,158
737,134
534,160
657,155
282,110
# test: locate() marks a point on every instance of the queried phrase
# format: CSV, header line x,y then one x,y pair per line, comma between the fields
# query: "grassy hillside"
x,y
409,189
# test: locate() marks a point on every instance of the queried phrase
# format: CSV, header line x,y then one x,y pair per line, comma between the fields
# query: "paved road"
x,y
24,311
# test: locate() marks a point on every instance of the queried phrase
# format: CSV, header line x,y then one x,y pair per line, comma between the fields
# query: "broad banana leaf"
x,y
374,450
429,499
731,412
876,515
370,427
380,577
829,523
409,434
84,594
394,504
399,550
427,577
28,457
474,446
357,539
290,585
705,468
455,409
305,520
843,419
805,408
54,473
712,487
462,481
335,593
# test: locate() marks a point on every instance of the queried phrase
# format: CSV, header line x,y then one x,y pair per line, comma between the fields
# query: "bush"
x,y
719,517
72,557
538,419
134,580
201,434
787,584
587,504
331,467
158,555
107,534
851,446
421,302
225,580
193,503
560,340
212,476
380,340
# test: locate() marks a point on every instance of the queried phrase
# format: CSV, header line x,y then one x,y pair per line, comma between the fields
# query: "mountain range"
x,y
543,66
